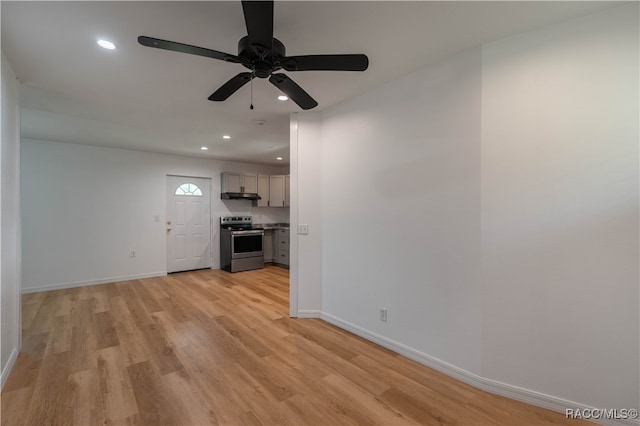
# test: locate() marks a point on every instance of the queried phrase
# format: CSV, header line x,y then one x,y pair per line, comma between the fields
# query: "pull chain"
x,y
251,106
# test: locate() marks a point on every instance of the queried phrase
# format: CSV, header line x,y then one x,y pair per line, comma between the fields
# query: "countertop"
x,y
268,226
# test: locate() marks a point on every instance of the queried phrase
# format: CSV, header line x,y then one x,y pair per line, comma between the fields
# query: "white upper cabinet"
x,y
231,182
276,191
263,190
239,182
250,183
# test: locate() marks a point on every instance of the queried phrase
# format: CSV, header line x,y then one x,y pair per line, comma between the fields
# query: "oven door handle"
x,y
254,232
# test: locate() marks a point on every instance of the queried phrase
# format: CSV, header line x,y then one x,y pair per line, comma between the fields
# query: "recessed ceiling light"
x,y
105,44
283,98
204,148
279,158
226,137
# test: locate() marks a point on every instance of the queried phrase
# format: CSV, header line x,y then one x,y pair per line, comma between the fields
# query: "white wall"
x,y
271,214
490,202
401,209
560,209
9,221
85,208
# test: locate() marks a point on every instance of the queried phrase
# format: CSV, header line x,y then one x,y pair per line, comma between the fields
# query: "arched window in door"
x,y
189,189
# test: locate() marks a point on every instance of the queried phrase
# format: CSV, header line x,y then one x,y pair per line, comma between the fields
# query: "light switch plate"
x,y
303,229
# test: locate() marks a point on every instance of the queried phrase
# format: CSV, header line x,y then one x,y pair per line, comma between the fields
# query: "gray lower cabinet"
x,y
275,246
282,246
268,245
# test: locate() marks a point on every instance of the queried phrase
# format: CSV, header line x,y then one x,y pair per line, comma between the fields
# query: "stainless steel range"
x,y
240,244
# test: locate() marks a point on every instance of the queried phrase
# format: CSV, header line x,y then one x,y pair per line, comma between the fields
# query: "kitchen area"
x,y
249,241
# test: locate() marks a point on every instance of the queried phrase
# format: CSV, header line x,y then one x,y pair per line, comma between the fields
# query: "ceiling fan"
x,y
263,55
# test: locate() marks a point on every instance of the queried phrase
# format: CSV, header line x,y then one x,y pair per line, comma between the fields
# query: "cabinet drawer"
x,y
283,243
283,258
283,232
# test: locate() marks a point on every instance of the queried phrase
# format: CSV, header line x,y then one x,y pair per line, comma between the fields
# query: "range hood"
x,y
239,196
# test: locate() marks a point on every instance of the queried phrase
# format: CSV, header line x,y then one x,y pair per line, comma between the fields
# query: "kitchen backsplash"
x,y
270,214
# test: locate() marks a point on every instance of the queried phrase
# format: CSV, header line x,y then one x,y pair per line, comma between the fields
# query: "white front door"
x,y
188,223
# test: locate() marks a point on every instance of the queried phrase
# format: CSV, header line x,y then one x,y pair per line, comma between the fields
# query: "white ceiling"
x,y
154,100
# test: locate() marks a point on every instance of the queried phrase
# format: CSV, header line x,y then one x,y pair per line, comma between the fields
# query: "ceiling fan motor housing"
x,y
263,60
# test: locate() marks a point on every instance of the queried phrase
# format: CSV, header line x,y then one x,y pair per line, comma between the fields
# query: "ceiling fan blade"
x,y
231,87
186,48
357,62
258,15
293,91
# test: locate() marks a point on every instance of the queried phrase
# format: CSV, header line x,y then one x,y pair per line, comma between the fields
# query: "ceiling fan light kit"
x,y
263,55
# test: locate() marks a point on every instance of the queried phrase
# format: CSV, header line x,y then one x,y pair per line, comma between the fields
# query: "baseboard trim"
x,y
8,367
62,286
503,389
308,313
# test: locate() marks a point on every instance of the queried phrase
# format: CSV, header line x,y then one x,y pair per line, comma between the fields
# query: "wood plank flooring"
x,y
209,347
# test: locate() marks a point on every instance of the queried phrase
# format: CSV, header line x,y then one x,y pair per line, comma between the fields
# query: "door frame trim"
x,y
293,217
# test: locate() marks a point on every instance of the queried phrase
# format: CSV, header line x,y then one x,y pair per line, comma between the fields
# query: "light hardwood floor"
x,y
209,347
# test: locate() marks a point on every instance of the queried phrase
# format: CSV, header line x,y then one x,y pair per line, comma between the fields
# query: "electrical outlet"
x,y
303,229
383,314
133,253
